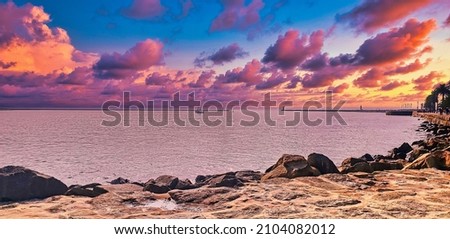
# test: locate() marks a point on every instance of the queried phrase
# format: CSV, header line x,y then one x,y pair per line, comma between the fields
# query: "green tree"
x,y
442,90
430,102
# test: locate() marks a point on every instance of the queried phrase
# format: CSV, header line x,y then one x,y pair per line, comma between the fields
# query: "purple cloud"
x,y
140,57
291,50
6,65
236,15
371,15
223,55
144,9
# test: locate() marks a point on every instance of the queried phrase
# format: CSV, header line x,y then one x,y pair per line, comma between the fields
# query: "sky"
x,y
78,54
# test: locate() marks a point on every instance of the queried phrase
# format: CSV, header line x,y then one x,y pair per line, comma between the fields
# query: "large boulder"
x,y
19,184
322,163
290,166
162,184
351,165
90,190
439,159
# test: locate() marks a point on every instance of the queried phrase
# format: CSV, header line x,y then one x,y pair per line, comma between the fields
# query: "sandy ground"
x,y
386,194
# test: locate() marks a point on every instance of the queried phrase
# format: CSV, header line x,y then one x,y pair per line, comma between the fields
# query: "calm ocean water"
x,y
74,147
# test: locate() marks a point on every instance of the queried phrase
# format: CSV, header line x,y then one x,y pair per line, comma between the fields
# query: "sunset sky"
x,y
375,53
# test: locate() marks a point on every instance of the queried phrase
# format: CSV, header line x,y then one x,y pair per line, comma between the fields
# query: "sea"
x,y
74,146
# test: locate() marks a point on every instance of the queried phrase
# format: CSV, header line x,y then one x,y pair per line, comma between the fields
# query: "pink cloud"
x,y
140,57
144,9
236,15
415,66
28,22
291,50
316,63
371,15
205,78
250,74
223,55
274,80
324,77
393,85
28,43
396,44
372,78
80,76
157,78
339,89
425,82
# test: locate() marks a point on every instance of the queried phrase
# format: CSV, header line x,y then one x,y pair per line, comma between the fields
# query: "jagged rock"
x,y
439,159
19,184
290,166
89,190
322,163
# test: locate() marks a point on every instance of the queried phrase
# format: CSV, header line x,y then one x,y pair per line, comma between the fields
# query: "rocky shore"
x,y
411,181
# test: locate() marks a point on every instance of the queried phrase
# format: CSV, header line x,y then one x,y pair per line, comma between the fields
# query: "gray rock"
x,y
322,163
19,184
